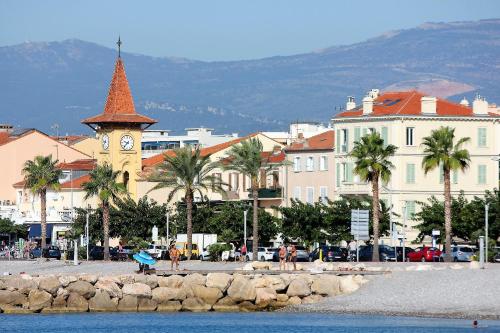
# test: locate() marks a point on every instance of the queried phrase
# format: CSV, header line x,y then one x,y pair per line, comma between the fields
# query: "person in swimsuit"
x,y
293,257
282,255
174,257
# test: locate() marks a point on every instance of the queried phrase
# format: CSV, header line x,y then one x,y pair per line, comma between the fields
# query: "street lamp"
x,y
392,229
245,212
486,226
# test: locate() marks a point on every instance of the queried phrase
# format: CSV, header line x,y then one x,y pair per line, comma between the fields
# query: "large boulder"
x,y
207,294
294,300
348,284
82,288
195,304
137,289
146,304
50,284
195,278
150,280
264,296
13,297
113,279
247,306
101,302
90,278
226,304
165,294
76,303
220,281
67,279
261,265
2,285
23,284
59,301
110,287
312,299
39,299
298,287
127,278
169,306
173,281
326,285
128,304
241,289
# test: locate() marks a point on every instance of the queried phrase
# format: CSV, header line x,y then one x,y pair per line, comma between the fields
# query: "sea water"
x,y
277,322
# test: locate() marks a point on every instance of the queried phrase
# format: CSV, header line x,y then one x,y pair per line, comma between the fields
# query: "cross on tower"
x,y
119,43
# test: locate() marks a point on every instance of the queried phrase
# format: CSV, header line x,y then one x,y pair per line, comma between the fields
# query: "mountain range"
x,y
44,83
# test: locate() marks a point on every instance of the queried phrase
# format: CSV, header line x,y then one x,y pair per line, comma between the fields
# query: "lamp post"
x,y
87,233
168,230
486,226
391,225
404,231
245,212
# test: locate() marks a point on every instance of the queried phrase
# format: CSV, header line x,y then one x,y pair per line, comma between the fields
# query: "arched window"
x,y
125,179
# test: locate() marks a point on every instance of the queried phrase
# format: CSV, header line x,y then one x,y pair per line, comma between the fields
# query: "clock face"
x,y
127,142
105,142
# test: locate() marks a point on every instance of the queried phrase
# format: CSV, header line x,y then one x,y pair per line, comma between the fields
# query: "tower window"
x,y
125,179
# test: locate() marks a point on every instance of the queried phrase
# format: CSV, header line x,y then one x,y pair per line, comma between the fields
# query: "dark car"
x,y
329,253
123,255
385,252
52,251
36,253
399,252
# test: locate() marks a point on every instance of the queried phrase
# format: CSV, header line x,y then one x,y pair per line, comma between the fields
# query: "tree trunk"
x,y
375,212
189,213
255,241
105,226
447,214
43,217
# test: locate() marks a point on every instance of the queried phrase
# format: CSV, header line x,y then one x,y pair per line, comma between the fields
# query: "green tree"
x,y
303,222
189,172
103,184
440,150
372,163
246,158
41,175
7,226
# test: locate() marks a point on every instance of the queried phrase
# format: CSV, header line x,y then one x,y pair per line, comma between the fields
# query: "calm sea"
x,y
232,322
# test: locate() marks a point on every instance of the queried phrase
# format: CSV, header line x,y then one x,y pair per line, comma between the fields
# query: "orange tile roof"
x,y
77,183
323,141
157,159
273,157
5,138
84,164
119,106
407,103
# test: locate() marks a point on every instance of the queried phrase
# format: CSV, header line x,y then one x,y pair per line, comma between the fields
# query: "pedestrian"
x,y
282,254
243,256
174,257
293,257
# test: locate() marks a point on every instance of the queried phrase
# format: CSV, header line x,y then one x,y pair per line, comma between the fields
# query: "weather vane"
x,y
119,43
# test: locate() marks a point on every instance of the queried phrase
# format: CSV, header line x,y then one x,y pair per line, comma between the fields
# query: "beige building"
x,y
309,171
404,119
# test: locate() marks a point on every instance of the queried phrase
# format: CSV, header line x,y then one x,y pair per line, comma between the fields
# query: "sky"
x,y
226,29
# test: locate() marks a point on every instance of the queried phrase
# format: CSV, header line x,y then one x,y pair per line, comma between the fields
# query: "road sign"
x,y
436,232
360,224
154,232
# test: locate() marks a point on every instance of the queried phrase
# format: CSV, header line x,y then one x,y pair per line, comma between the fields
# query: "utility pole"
x,y
486,227
168,230
404,231
87,233
245,212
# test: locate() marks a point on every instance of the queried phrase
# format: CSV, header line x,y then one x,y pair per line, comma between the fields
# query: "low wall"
x,y
193,292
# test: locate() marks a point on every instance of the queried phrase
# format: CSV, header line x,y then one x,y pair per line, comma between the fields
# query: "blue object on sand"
x,y
144,258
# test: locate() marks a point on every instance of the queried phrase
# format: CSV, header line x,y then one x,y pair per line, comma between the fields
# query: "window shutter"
x,y
347,140
385,134
410,209
481,137
338,174
410,173
338,141
349,172
357,134
455,176
481,174
365,131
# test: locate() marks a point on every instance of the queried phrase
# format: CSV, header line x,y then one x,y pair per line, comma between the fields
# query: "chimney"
x,y
428,104
464,102
480,105
351,104
374,93
276,150
367,105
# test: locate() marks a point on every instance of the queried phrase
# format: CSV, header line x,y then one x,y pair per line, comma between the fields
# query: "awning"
x,y
36,230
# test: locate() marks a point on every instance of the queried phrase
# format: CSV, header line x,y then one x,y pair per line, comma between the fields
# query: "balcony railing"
x,y
268,193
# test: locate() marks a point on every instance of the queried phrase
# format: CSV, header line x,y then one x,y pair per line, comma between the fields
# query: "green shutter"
x,y
365,131
410,209
338,141
410,173
357,134
481,177
350,170
347,140
481,137
338,174
385,136
455,177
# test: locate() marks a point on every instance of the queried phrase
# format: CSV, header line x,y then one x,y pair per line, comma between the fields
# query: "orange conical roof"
x,y
119,106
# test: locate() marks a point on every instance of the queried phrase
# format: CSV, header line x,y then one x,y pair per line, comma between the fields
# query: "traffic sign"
x,y
360,224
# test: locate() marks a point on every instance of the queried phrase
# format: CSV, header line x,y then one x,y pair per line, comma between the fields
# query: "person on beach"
x,y
293,257
243,256
174,257
282,255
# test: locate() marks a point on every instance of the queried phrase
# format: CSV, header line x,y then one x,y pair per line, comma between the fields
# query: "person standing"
x,y
293,257
243,256
282,255
174,257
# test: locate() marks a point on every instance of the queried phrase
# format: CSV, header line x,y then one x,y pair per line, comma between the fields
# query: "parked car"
x,y
496,258
459,253
264,254
329,253
399,252
424,253
52,251
36,253
385,252
158,251
302,254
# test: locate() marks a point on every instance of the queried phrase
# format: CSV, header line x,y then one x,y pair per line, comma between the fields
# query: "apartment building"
x,y
404,119
309,173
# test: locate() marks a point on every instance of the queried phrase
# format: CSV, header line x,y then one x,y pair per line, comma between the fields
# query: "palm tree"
x,y
186,170
441,151
372,164
246,158
103,184
41,175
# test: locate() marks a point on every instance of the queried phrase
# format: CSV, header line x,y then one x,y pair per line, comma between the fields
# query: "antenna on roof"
x,y
119,43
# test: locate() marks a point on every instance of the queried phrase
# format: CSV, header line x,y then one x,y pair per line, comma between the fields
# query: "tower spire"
x,y
119,43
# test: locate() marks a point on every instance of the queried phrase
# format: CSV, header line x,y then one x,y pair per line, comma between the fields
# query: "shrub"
x,y
216,250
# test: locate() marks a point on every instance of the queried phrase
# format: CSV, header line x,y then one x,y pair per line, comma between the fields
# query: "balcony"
x,y
269,193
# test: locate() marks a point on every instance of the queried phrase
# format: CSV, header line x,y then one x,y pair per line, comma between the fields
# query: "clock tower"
x,y
119,130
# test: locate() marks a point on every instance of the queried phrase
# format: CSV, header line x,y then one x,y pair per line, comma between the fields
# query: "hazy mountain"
x,y
64,82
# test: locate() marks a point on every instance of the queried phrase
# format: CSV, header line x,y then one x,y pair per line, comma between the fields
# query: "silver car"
x,y
462,253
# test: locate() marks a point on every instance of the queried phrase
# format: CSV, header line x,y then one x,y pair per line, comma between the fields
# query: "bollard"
x,y
75,253
481,252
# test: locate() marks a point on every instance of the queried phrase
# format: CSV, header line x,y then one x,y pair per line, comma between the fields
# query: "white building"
x,y
298,130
